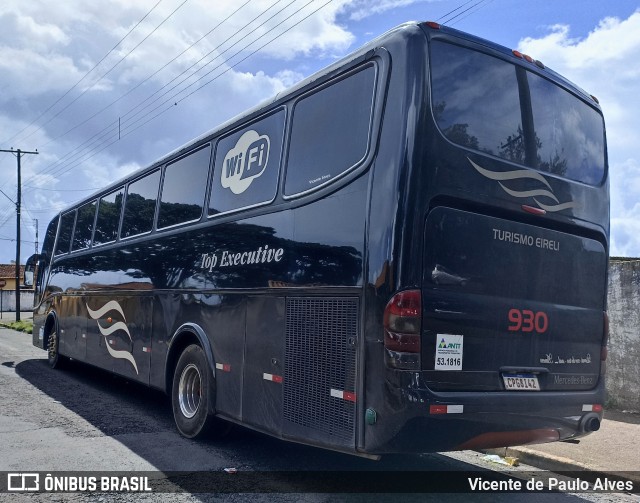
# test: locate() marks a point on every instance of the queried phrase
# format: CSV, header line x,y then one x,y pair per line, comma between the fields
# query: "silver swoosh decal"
x,y
504,176
120,354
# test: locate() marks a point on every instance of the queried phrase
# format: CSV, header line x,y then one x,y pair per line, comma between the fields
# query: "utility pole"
x,y
19,153
35,221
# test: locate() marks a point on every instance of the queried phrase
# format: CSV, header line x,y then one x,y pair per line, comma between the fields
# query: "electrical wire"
x,y
132,129
450,19
471,12
107,72
85,75
131,118
146,78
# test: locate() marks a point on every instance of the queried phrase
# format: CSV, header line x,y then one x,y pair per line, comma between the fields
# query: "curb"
x,y
554,463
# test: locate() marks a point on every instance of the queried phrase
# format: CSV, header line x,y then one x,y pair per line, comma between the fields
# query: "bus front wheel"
x,y
55,359
190,393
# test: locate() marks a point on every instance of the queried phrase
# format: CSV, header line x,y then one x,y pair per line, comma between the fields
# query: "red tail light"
x,y
402,326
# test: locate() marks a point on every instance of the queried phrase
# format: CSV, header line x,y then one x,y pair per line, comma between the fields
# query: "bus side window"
x,y
140,205
84,226
108,218
66,228
247,165
185,182
330,132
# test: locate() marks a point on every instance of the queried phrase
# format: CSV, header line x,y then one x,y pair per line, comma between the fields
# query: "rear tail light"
x,y
402,327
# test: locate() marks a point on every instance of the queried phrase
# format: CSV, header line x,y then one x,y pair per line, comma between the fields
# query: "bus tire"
x,y
54,358
190,393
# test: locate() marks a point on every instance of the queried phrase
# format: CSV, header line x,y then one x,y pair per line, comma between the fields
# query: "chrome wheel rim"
x,y
52,347
189,391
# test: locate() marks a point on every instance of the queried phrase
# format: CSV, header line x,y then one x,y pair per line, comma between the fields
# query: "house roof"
x,y
8,271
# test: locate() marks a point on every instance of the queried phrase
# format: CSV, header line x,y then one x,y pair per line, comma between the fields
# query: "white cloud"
x,y
361,9
604,63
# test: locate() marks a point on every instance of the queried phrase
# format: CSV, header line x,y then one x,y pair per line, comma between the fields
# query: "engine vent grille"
x,y
320,356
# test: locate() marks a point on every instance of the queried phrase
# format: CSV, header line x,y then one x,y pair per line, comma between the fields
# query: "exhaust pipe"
x,y
590,423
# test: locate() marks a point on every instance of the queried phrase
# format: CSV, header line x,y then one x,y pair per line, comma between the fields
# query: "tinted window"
x,y
50,237
140,205
569,133
247,166
66,228
84,226
476,102
108,218
330,132
183,189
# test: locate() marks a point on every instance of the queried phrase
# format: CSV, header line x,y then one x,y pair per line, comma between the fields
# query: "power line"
x,y
58,167
84,76
60,190
13,240
472,12
112,126
450,19
440,19
130,129
108,71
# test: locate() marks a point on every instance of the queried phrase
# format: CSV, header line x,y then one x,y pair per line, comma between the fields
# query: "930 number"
x,y
528,321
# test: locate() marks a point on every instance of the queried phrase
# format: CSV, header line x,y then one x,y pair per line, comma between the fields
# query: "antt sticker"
x,y
448,352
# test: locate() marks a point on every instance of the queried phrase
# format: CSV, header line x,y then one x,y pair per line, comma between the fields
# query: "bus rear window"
x,y
483,102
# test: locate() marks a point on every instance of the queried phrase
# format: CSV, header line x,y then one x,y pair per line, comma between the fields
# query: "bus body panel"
x,y
483,263
132,299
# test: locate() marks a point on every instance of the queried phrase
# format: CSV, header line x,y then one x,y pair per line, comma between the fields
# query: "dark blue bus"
x,y
406,252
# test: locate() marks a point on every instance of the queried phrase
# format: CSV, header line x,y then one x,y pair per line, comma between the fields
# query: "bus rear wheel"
x,y
190,393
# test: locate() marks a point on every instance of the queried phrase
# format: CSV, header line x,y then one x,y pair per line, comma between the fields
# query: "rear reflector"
x,y
446,409
533,210
344,395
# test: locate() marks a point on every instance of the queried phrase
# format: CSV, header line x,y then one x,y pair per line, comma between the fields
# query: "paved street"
x,y
83,419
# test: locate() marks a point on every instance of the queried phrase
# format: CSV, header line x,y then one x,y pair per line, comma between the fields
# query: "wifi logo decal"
x,y
115,327
245,162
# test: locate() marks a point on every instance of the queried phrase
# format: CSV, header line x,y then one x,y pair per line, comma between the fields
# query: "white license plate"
x,y
521,382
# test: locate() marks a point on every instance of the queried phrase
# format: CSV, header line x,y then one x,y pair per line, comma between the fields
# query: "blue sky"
x,y
47,48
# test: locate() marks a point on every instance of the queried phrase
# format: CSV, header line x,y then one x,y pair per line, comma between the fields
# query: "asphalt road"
x,y
82,419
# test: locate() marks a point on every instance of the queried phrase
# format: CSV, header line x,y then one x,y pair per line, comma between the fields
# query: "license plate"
x,y
521,382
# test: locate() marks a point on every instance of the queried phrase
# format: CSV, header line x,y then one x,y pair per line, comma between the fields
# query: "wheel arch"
x,y
50,325
184,336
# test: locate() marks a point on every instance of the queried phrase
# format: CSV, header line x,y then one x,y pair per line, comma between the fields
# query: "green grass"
x,y
21,326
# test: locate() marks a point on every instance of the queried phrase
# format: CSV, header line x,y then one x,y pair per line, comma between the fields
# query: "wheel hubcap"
x,y
53,350
189,391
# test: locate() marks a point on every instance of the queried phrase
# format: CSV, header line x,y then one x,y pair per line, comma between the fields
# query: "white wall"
x,y
623,362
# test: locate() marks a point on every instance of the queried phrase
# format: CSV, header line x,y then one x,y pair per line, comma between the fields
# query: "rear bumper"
x,y
419,420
